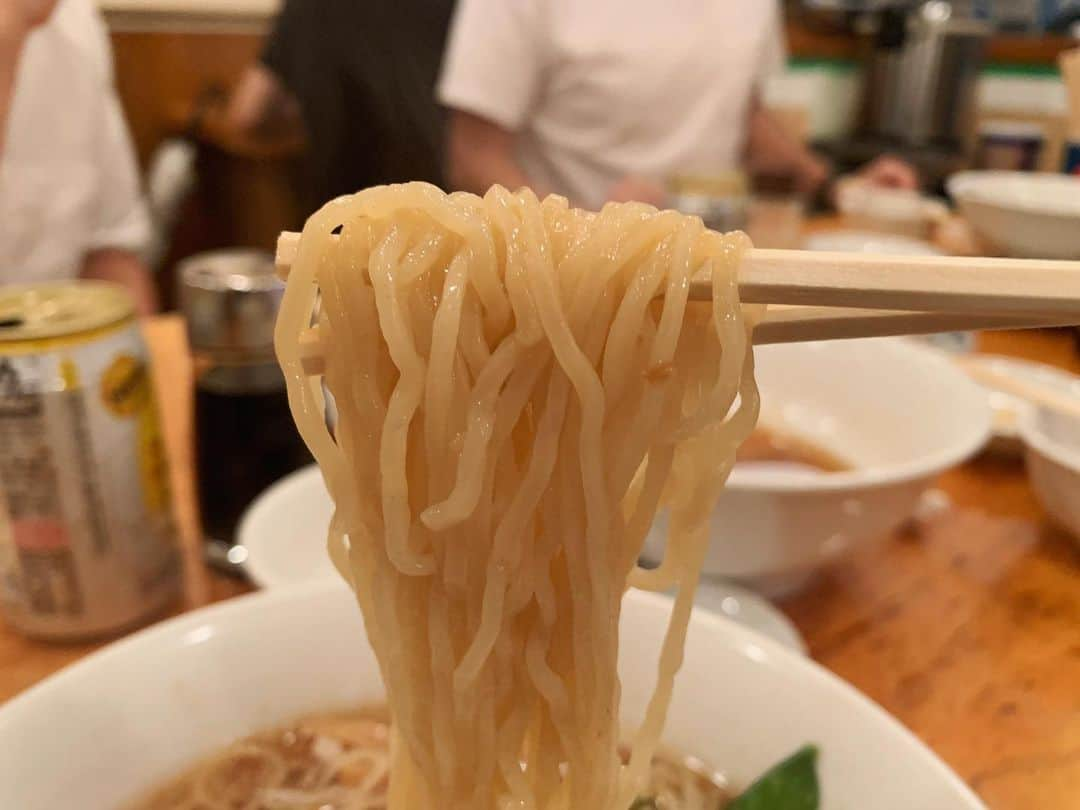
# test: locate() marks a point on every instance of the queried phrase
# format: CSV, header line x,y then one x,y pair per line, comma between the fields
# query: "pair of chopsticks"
x,y
829,296
1037,393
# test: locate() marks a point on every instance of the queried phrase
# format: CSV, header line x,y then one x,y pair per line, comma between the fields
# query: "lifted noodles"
x,y
520,386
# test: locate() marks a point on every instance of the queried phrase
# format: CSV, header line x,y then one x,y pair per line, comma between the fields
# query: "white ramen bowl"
x,y
106,730
1053,463
1027,214
898,410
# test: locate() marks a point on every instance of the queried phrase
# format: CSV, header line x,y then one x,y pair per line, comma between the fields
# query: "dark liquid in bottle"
x,y
245,441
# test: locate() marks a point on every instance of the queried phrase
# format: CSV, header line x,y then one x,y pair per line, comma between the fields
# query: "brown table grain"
x,y
967,629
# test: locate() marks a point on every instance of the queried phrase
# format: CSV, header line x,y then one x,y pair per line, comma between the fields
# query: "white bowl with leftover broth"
x,y
892,412
111,728
1053,463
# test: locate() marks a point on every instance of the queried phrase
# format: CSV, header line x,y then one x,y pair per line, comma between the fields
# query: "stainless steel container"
x,y
245,438
919,75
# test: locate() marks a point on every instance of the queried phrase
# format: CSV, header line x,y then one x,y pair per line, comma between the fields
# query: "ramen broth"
x,y
340,761
773,446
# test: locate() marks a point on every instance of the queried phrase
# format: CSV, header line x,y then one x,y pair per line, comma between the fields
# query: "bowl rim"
x,y
977,432
970,186
768,652
260,574
1037,440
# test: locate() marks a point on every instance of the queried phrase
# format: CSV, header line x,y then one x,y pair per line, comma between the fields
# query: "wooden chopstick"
x,y
1026,287
1037,393
794,324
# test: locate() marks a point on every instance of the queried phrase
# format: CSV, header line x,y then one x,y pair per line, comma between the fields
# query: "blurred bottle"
x,y
777,211
1014,146
722,200
245,438
1071,163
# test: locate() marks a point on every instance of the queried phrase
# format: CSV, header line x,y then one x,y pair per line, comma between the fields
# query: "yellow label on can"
x,y
124,386
126,392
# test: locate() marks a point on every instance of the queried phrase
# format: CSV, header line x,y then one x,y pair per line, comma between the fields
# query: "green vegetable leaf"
x,y
789,785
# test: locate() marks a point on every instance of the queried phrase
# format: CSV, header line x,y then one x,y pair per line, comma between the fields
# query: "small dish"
x,y
1053,463
1007,407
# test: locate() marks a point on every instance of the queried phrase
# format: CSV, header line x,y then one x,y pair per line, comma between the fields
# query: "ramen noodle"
x,y
520,385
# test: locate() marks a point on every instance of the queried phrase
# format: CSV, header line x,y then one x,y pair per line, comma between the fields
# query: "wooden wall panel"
x,y
162,76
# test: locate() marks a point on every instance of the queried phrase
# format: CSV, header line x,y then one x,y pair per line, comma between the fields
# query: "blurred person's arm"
x,y
121,219
490,79
264,104
261,106
771,149
126,268
17,19
480,153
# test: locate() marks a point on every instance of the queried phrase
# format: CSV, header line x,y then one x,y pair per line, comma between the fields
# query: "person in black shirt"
x,y
360,78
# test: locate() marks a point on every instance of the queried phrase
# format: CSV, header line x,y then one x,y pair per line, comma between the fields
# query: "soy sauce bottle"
x,y
244,436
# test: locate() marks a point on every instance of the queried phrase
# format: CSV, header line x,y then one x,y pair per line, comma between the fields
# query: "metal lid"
x,y
939,16
230,300
60,309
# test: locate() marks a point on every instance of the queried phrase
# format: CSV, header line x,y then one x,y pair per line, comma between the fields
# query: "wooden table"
x,y
968,629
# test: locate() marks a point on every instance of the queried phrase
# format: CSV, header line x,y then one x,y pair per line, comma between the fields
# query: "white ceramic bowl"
x,y
844,241
899,411
284,531
1053,463
1033,215
107,729
1007,407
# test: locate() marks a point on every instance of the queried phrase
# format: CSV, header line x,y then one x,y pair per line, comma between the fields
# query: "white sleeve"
x,y
773,57
122,219
494,59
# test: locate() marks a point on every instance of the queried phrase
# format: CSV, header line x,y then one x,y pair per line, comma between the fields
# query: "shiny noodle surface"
x,y
519,386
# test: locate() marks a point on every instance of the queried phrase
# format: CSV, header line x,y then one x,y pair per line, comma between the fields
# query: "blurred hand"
x,y
638,189
19,17
888,171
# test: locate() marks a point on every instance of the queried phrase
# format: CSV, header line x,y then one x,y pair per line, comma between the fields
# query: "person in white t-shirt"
x,y
604,99
70,202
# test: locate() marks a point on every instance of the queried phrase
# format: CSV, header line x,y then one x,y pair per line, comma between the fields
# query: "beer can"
x,y
87,535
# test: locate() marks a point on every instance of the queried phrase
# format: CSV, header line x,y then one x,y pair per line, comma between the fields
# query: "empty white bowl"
x,y
844,241
1053,463
898,411
106,730
284,531
1026,214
